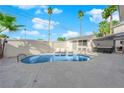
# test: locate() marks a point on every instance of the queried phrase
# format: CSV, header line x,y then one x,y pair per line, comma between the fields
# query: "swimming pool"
x,y
54,58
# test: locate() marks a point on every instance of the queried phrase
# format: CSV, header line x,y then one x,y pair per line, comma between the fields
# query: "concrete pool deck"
x,y
103,71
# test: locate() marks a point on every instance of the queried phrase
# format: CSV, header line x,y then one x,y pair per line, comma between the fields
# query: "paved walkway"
x,y
105,70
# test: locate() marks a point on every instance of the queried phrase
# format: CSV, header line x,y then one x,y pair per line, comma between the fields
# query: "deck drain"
x,y
35,80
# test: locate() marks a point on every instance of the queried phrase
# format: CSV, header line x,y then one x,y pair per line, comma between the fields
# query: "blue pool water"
x,y
54,58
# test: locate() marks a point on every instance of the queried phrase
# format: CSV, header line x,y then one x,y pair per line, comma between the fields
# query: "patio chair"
x,y
63,52
57,52
70,53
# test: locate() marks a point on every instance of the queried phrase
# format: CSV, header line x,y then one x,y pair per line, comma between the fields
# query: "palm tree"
x,y
3,36
61,39
49,11
115,22
107,13
80,16
104,28
7,22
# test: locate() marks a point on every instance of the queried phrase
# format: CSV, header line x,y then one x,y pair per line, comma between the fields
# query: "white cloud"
x,y
26,7
54,34
44,6
89,33
16,37
70,34
115,16
33,33
5,31
42,24
43,36
55,11
38,11
95,15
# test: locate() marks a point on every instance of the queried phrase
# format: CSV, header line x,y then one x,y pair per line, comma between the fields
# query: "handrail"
x,y
20,57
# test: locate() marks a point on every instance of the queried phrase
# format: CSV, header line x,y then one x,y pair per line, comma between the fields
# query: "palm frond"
x,y
9,22
49,10
80,14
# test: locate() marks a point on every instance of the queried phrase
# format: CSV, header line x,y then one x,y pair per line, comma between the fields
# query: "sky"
x,y
64,20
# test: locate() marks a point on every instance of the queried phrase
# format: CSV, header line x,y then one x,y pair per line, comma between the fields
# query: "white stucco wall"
x,y
118,44
88,47
15,47
119,28
66,45
32,47
79,48
121,12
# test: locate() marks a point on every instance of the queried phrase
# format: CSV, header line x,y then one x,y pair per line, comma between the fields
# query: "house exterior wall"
x,y
66,45
118,44
88,47
69,46
119,28
75,46
103,44
121,12
80,48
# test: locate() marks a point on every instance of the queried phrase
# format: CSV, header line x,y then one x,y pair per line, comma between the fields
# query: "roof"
x,y
119,36
88,37
111,37
120,24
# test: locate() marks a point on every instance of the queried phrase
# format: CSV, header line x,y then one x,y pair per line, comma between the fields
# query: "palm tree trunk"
x,y
80,27
49,28
111,30
3,47
25,33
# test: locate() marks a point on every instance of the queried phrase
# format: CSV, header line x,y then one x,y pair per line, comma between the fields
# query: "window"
x,y
84,42
80,42
121,42
74,45
79,49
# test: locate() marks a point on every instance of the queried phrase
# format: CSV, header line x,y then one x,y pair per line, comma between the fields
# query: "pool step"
x,y
20,57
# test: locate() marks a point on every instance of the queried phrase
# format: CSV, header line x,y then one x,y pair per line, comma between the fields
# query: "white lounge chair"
x,y
57,51
63,52
70,53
